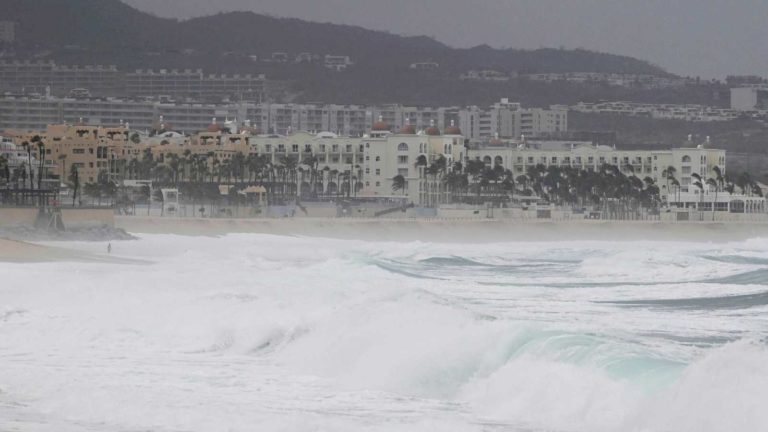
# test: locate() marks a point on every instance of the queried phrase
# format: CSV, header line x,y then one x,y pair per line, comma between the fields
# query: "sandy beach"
x,y
449,231
14,251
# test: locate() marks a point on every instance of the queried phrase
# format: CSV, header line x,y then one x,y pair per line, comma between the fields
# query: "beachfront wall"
x,y
78,218
17,216
73,218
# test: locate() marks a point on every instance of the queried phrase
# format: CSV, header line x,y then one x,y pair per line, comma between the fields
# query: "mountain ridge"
x,y
104,25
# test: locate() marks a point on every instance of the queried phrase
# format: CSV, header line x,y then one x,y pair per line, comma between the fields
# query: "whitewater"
x,y
248,332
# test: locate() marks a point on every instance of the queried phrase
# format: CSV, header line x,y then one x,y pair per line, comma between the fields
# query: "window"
x,y
402,159
530,159
295,148
686,159
378,158
367,145
335,148
78,151
402,147
268,148
403,172
349,148
90,150
591,159
554,159
322,148
378,171
307,148
367,170
686,170
519,159
281,147
378,183
367,158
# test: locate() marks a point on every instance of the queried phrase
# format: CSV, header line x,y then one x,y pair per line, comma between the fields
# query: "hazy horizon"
x,y
707,38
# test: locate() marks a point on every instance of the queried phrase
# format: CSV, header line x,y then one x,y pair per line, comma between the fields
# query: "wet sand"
x,y
14,251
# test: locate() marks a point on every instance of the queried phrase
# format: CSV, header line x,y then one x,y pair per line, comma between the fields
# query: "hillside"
x,y
115,32
81,32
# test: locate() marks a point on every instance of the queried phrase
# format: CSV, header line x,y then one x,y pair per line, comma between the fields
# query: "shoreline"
x,y
450,230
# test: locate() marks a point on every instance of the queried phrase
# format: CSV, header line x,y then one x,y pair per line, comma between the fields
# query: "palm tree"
x,y
712,183
74,177
41,162
28,148
398,183
699,184
5,171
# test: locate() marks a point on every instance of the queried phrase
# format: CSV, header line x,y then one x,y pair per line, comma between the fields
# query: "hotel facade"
x,y
383,153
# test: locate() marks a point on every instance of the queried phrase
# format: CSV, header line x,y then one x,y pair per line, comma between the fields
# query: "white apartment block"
x,y
752,98
503,119
510,120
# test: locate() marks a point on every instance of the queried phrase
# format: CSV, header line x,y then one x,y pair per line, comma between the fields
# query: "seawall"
x,y
73,218
449,230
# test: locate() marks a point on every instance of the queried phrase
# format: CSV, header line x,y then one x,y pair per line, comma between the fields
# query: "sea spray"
x,y
295,333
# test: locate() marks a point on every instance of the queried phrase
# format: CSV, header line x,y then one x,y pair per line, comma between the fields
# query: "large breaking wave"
x,y
317,334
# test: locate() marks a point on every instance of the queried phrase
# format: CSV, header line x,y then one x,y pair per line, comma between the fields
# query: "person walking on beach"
x,y
109,248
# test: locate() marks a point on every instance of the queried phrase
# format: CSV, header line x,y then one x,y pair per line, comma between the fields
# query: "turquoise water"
x,y
317,334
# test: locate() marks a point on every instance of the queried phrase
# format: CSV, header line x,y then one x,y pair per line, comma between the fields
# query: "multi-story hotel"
x,y
519,156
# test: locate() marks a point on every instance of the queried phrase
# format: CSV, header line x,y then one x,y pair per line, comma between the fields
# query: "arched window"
x,y
402,147
686,158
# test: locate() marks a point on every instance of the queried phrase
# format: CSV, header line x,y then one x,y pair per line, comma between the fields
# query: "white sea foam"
x,y
263,332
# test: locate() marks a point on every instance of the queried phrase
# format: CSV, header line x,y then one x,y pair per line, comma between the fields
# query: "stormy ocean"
x,y
257,332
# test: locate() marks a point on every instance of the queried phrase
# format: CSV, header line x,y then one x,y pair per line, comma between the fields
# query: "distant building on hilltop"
x,y
752,98
337,62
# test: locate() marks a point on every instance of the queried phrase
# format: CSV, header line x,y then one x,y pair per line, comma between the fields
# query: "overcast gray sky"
x,y
710,38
